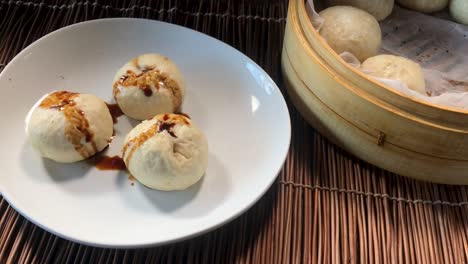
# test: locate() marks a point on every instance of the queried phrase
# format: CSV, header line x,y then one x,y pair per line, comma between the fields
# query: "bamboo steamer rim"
x,y
302,9
444,178
293,20
379,102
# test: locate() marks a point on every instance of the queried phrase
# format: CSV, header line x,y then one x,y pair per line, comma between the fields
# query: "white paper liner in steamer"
x,y
440,46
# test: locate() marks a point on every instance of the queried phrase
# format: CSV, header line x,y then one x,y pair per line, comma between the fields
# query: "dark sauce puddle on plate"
x,y
115,112
110,163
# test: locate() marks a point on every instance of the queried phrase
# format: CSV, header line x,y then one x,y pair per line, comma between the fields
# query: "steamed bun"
x,y
167,152
347,28
380,9
425,6
148,85
459,11
68,127
398,69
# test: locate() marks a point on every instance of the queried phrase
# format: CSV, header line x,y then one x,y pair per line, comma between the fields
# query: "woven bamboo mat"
x,y
325,207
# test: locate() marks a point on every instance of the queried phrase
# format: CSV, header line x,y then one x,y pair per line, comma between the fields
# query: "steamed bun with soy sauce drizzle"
x,y
167,152
149,85
67,127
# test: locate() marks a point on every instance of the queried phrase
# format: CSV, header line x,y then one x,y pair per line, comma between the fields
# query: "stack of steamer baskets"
x,y
376,123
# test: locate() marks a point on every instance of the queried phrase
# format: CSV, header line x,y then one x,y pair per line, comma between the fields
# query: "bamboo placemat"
x,y
325,207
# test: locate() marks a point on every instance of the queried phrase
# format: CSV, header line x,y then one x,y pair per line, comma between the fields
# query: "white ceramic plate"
x,y
235,103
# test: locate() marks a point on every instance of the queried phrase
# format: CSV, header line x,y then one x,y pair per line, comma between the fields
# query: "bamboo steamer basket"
x,y
371,120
